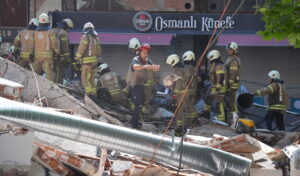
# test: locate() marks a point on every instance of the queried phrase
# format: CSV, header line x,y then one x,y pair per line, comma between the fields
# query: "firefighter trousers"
x,y
278,116
87,78
46,66
60,67
231,101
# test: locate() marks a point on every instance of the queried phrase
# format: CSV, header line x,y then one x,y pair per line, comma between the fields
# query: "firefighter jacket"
x,y
217,77
233,69
89,49
189,72
111,81
60,42
24,43
278,97
180,84
42,45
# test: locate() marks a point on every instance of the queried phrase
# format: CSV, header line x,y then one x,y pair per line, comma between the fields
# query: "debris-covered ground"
x,y
270,153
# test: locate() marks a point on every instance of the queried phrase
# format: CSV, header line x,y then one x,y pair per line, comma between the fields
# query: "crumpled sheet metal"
x,y
138,143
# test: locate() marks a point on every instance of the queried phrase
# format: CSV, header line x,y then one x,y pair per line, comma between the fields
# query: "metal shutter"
x,y
258,61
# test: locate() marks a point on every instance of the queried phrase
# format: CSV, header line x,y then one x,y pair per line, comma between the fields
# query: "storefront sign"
x,y
8,34
175,23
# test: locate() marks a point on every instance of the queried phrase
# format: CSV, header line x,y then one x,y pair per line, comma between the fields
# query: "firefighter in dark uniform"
x,y
233,72
278,100
60,43
139,81
178,88
218,88
113,83
189,70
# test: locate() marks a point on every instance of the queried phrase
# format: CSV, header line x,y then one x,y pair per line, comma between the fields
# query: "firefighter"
x,y
113,82
23,44
189,70
233,70
218,88
43,51
88,52
278,100
133,45
178,89
60,44
141,77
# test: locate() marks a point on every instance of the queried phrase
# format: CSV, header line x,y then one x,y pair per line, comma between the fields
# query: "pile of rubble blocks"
x,y
25,152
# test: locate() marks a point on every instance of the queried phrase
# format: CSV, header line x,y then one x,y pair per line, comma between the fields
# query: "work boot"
x,y
137,125
205,114
179,132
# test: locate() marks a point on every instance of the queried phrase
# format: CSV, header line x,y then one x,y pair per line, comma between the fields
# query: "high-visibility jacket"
x,y
233,72
111,81
179,85
217,78
24,42
278,97
59,42
189,71
42,46
89,49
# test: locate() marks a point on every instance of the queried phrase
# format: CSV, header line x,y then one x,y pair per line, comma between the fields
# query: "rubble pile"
x,y
275,154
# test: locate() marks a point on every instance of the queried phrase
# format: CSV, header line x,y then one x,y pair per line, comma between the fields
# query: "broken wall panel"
x,y
56,97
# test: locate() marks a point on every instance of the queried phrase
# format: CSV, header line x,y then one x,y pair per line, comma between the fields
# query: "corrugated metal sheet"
x,y
258,61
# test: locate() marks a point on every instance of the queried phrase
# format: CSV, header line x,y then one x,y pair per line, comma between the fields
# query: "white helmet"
x,y
43,18
12,49
274,74
102,67
173,59
188,56
69,23
88,25
213,54
134,43
34,21
234,46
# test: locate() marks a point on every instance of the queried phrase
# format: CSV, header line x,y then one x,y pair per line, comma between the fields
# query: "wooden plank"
x,y
88,101
102,162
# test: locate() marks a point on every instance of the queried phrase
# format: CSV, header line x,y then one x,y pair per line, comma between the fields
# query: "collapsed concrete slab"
x,y
56,97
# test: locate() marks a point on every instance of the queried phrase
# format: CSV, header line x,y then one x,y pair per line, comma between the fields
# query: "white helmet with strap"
x,y
134,43
43,18
233,45
69,23
172,59
34,21
188,56
88,25
213,54
274,74
102,67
